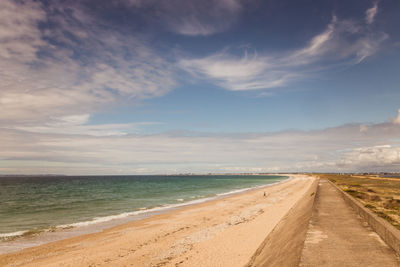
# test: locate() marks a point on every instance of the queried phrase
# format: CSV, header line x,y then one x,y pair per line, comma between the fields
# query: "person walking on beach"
x,y
265,194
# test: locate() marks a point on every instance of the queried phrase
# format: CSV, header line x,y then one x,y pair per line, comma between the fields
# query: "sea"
x,y
30,204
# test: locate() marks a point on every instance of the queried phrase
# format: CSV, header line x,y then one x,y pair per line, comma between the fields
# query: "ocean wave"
x,y
13,234
140,211
236,191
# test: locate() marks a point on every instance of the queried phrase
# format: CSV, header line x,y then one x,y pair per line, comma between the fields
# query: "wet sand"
x,y
223,232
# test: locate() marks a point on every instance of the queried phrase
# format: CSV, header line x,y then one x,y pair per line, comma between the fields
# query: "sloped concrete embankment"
x,y
283,246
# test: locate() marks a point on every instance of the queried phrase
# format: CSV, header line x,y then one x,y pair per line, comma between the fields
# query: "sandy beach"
x,y
223,232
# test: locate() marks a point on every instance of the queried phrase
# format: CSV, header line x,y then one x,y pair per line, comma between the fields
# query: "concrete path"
x,y
338,237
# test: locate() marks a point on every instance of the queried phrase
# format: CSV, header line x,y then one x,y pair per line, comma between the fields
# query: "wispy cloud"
x,y
71,64
370,14
235,73
79,125
343,42
192,18
317,46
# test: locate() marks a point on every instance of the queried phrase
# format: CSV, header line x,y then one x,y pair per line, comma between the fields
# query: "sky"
x,y
222,86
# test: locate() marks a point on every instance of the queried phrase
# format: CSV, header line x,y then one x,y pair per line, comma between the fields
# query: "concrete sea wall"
x,y
385,230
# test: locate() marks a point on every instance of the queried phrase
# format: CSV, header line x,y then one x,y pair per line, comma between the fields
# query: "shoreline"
x,y
23,239
224,231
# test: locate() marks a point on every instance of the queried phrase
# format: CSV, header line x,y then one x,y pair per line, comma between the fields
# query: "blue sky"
x,y
134,86
345,94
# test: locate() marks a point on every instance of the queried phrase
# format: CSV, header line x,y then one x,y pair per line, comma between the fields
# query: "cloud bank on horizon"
x,y
62,63
354,147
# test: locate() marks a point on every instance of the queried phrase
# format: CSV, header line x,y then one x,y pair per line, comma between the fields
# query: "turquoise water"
x,y
29,203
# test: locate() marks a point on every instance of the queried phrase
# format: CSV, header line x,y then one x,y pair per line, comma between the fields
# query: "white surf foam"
x,y
144,210
13,234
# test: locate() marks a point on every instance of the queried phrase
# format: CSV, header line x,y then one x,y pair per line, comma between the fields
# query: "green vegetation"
x,y
369,206
381,195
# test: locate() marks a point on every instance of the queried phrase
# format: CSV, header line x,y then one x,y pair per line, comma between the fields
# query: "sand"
x,y
284,245
223,232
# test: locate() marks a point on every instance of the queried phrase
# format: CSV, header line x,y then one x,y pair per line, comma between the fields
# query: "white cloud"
x,y
376,158
246,73
77,147
343,42
19,34
317,45
79,125
397,119
73,120
80,129
370,14
363,128
90,68
191,18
